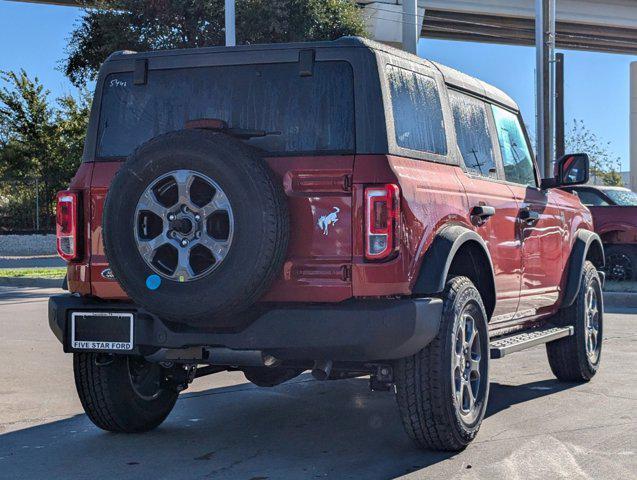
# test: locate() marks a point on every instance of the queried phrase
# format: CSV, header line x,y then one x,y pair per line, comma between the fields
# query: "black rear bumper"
x,y
356,330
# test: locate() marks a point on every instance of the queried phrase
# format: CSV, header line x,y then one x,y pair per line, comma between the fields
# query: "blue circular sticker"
x,y
153,282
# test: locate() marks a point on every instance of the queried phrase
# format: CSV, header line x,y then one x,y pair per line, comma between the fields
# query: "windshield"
x,y
624,198
301,114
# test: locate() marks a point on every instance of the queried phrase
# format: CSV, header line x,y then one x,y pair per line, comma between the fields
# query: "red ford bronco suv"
x,y
340,207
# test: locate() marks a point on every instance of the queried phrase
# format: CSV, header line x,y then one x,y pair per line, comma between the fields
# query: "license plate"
x,y
102,331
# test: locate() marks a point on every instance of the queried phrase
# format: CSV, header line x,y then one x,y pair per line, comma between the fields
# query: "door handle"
x,y
529,216
482,211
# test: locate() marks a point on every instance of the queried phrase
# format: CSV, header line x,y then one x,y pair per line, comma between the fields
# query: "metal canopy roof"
x,y
603,26
521,31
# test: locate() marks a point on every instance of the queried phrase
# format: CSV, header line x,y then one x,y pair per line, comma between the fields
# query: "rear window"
x,y
300,114
418,120
472,132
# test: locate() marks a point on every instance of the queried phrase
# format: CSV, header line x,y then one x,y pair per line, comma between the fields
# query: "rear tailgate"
x,y
318,264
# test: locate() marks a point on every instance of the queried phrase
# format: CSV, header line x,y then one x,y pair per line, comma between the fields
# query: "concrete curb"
x,y
620,299
31,282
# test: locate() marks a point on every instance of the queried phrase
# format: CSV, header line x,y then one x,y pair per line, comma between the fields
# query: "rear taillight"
x,y
66,225
382,217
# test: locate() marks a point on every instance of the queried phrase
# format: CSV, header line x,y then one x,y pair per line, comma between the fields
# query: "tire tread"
x,y
420,391
107,397
566,356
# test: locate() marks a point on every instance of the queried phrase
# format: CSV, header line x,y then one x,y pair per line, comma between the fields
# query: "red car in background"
x,y
614,212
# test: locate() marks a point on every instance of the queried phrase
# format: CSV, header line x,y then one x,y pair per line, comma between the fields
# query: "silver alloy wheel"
x,y
592,317
466,367
183,225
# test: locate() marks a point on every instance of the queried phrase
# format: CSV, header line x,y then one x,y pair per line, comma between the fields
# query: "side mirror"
x,y
572,169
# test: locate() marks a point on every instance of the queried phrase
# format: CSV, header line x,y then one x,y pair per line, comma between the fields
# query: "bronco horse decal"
x,y
326,220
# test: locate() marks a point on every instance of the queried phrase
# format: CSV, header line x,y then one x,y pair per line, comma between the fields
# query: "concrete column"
x,y
545,83
385,20
411,31
231,38
633,126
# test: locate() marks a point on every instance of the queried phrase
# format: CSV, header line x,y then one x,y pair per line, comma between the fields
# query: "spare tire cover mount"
x,y
184,225
196,227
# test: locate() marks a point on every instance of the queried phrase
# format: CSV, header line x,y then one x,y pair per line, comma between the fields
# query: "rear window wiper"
x,y
222,126
247,133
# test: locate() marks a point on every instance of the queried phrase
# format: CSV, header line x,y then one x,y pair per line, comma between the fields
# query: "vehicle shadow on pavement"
x,y
302,429
17,295
502,396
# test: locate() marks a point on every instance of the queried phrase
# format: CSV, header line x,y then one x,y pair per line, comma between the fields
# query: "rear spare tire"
x,y
195,227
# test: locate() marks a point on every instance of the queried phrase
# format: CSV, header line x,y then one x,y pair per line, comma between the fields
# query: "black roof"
x,y
451,76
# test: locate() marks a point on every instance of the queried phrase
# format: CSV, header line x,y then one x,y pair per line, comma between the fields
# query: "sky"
x,y
34,37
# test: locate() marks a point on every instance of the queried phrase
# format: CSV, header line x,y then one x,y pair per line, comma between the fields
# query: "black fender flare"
x,y
437,261
585,240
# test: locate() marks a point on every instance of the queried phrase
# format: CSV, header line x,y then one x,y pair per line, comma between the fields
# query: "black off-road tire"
x,y
568,356
259,243
429,410
109,399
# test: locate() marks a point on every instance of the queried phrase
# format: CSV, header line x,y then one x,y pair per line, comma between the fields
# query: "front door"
x,y
541,224
540,221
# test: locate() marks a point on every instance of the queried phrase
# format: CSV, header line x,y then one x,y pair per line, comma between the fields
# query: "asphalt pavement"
x,y
226,428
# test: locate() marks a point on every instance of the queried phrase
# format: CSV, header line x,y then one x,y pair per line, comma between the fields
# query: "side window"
x,y
418,119
516,157
472,132
591,199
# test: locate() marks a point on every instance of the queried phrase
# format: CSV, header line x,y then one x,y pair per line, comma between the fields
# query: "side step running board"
x,y
499,347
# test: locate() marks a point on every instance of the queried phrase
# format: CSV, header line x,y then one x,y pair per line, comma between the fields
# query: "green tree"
x,y
39,139
605,166
163,24
25,116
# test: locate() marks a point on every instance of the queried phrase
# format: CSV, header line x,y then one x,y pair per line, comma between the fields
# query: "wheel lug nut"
x,y
197,217
171,217
184,242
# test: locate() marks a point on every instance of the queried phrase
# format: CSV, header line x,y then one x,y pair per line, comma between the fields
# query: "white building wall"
x,y
633,126
384,21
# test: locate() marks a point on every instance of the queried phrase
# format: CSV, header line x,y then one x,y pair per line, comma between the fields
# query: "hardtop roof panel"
x,y
463,81
452,76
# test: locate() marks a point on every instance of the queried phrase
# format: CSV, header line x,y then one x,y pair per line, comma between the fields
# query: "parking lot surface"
x,y
226,428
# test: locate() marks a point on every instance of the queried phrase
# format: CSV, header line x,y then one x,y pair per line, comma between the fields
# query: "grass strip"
x,y
48,272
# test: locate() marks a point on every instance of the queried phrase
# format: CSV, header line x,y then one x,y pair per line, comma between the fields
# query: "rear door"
x,y
541,222
482,181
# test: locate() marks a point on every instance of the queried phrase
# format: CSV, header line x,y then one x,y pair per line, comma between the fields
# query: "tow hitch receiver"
x,y
179,377
382,379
